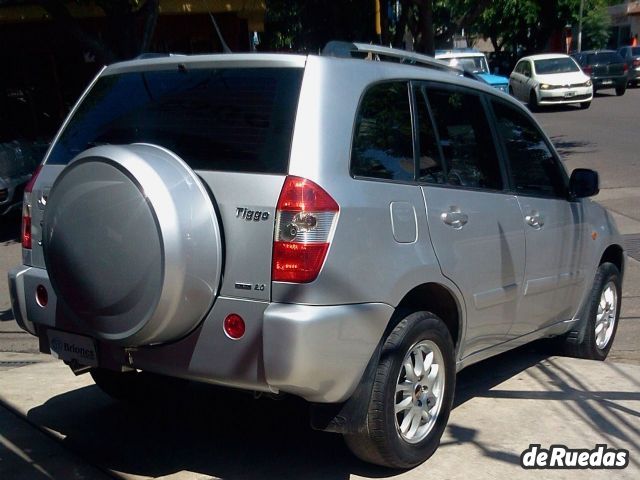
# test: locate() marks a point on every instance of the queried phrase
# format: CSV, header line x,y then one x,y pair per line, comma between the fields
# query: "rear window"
x,y
230,119
604,58
635,51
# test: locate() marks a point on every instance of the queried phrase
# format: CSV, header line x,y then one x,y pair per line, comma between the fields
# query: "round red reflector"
x,y
42,297
234,326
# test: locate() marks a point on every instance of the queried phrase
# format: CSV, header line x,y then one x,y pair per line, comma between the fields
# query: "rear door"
x,y
554,226
475,226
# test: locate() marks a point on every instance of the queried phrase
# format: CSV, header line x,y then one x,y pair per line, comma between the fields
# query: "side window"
x,y
465,139
429,162
382,143
519,67
526,68
533,168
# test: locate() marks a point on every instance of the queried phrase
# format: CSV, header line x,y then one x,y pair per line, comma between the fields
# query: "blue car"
x,y
471,60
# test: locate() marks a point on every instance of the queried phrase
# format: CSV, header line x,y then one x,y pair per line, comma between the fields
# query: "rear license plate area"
x,y
71,347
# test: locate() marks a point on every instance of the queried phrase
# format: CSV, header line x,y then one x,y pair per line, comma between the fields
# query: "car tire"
x,y
601,317
585,105
533,101
134,386
620,90
401,440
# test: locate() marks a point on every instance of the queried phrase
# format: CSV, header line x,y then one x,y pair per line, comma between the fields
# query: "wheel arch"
x,y
349,417
614,254
437,299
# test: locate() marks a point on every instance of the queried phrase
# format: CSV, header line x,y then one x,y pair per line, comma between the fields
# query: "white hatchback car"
x,y
550,79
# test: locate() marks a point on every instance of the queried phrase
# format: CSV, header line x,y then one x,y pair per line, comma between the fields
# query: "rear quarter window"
x,y
231,119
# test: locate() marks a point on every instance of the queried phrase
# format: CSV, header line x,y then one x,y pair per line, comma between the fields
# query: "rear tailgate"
x,y
230,121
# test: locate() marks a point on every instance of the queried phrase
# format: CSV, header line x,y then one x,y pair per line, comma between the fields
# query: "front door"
x,y
554,226
476,228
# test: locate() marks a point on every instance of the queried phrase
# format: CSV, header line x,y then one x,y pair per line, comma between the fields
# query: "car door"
x,y
554,226
475,226
516,78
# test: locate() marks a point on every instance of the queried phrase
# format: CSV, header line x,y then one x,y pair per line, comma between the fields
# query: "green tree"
x,y
122,39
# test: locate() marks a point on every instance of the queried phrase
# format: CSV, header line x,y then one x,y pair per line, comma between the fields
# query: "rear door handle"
x,y
534,220
455,218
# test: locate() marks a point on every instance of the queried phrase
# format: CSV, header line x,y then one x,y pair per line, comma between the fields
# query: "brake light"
x,y
305,220
588,69
26,210
625,68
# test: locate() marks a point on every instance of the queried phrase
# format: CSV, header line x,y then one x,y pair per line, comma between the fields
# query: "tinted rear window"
x,y
214,119
604,58
635,51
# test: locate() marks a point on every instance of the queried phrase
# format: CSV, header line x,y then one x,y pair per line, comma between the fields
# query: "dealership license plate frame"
x,y
72,347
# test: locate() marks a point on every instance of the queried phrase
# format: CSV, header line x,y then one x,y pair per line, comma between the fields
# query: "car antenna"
x,y
225,47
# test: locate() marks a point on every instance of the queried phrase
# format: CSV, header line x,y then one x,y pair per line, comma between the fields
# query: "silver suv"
x,y
351,232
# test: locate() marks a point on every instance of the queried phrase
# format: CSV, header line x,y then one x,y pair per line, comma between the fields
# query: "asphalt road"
x,y
604,138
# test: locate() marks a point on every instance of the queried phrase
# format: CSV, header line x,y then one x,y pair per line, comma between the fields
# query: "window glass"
x,y
549,66
230,119
466,139
429,162
526,68
533,168
383,142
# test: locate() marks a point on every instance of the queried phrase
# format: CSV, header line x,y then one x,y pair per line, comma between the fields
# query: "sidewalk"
x,y
502,406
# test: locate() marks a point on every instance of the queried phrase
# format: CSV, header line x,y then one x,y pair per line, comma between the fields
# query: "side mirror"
x,y
584,183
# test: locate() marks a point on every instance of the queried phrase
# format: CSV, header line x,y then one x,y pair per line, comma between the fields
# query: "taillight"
x,y
305,220
625,68
588,69
26,210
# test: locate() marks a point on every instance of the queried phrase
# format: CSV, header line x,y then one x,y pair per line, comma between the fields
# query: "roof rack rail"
x,y
144,56
347,49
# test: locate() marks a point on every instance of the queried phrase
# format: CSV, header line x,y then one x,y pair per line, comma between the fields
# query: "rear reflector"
x,y
305,220
234,326
42,296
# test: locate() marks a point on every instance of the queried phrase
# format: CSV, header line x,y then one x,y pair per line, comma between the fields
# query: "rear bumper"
x,y
602,83
316,352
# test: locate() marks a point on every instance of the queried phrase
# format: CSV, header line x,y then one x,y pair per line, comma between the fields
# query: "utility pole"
x,y
378,23
580,26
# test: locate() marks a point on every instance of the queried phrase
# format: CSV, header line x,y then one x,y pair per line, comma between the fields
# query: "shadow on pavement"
x,y
566,148
229,434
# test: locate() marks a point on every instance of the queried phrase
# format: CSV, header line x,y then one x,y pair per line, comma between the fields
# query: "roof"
x,y
545,56
458,54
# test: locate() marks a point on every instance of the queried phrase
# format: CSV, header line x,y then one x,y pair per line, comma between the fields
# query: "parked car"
x,y
631,56
474,61
550,79
350,232
606,68
18,160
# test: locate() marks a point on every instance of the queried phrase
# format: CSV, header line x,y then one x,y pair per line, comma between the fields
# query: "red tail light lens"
x,y
305,220
625,68
26,210
588,70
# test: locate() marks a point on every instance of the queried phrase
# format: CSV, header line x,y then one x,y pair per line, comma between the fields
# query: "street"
x,y
200,434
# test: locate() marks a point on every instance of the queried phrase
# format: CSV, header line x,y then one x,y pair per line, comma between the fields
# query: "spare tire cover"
x,y
132,244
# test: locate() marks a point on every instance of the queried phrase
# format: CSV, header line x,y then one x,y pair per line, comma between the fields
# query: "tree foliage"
x,y
121,39
511,24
